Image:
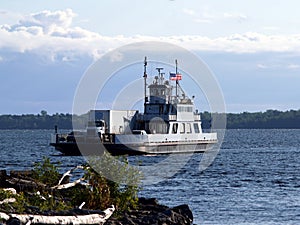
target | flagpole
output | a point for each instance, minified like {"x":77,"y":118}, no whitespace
{"x":176,"y":71}
{"x":145,"y":80}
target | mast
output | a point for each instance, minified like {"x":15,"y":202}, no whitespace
{"x":145,"y":80}
{"x":176,"y":71}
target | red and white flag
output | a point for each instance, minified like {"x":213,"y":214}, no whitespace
{"x":175,"y":76}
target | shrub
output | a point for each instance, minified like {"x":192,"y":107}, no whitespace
{"x":100,"y":192}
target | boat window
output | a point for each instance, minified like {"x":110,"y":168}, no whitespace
{"x":158,"y":127}
{"x":175,"y":127}
{"x":196,"y":128}
{"x":182,"y":128}
{"x":185,"y":109}
{"x":188,"y":128}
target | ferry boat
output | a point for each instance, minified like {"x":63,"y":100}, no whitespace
{"x":169,"y":124}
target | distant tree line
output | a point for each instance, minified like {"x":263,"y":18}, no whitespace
{"x":39,"y":121}
{"x":270,"y":119}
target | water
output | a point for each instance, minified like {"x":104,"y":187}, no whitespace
{"x":253,"y":180}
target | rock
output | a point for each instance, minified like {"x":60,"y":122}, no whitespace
{"x":13,"y":221}
{"x":3,"y":176}
{"x":184,"y":210}
{"x":149,"y":212}
{"x":21,"y":173}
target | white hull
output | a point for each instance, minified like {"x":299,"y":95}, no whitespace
{"x":136,"y":144}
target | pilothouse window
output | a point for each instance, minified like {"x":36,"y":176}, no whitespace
{"x":185,"y":109}
{"x":158,"y":127}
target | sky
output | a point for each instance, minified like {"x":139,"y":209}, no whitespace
{"x":251,"y":47}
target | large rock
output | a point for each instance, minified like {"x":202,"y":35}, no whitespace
{"x":149,"y":212}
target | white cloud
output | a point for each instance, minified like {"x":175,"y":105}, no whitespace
{"x":200,"y":17}
{"x":236,"y":16}
{"x":116,"y":57}
{"x":262,"y":66}
{"x":49,"y":21}
{"x":282,"y":65}
{"x":293,"y":66}
{"x":207,"y":16}
{"x":271,"y":28}
{"x":198,"y":20}
{"x":190,"y":12}
{"x":51,"y":33}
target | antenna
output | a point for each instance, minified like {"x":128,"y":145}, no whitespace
{"x":159,"y":69}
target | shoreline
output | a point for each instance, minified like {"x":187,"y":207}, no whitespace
{"x":147,"y":211}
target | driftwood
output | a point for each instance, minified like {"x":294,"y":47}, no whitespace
{"x":20,"y":181}
{"x":68,"y":173}
{"x":60,"y":186}
{"x":98,"y":218}
{"x":65,"y":186}
{"x":11,"y":190}
{"x":9,"y":200}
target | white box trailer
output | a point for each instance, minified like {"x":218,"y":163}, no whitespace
{"x":116,"y":121}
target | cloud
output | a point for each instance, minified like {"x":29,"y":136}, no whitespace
{"x":293,"y":66}
{"x":190,"y":12}
{"x":236,"y":16}
{"x":271,"y":28}
{"x":278,"y":66}
{"x":261,"y":66}
{"x":49,"y":21}
{"x":198,"y":20}
{"x":116,"y":57}
{"x":203,"y":17}
{"x":51,"y":34}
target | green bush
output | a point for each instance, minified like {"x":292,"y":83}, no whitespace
{"x":112,"y":182}
{"x":99,"y":193}
{"x":46,"y":172}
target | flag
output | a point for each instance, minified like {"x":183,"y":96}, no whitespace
{"x":174,"y":76}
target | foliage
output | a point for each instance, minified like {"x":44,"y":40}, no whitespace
{"x":270,"y":119}
{"x":18,"y":205}
{"x":41,"y":121}
{"x":100,"y":193}
{"x":46,"y":172}
{"x":113,"y":182}
{"x":48,"y":200}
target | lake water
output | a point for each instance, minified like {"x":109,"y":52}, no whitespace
{"x":253,"y":180}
